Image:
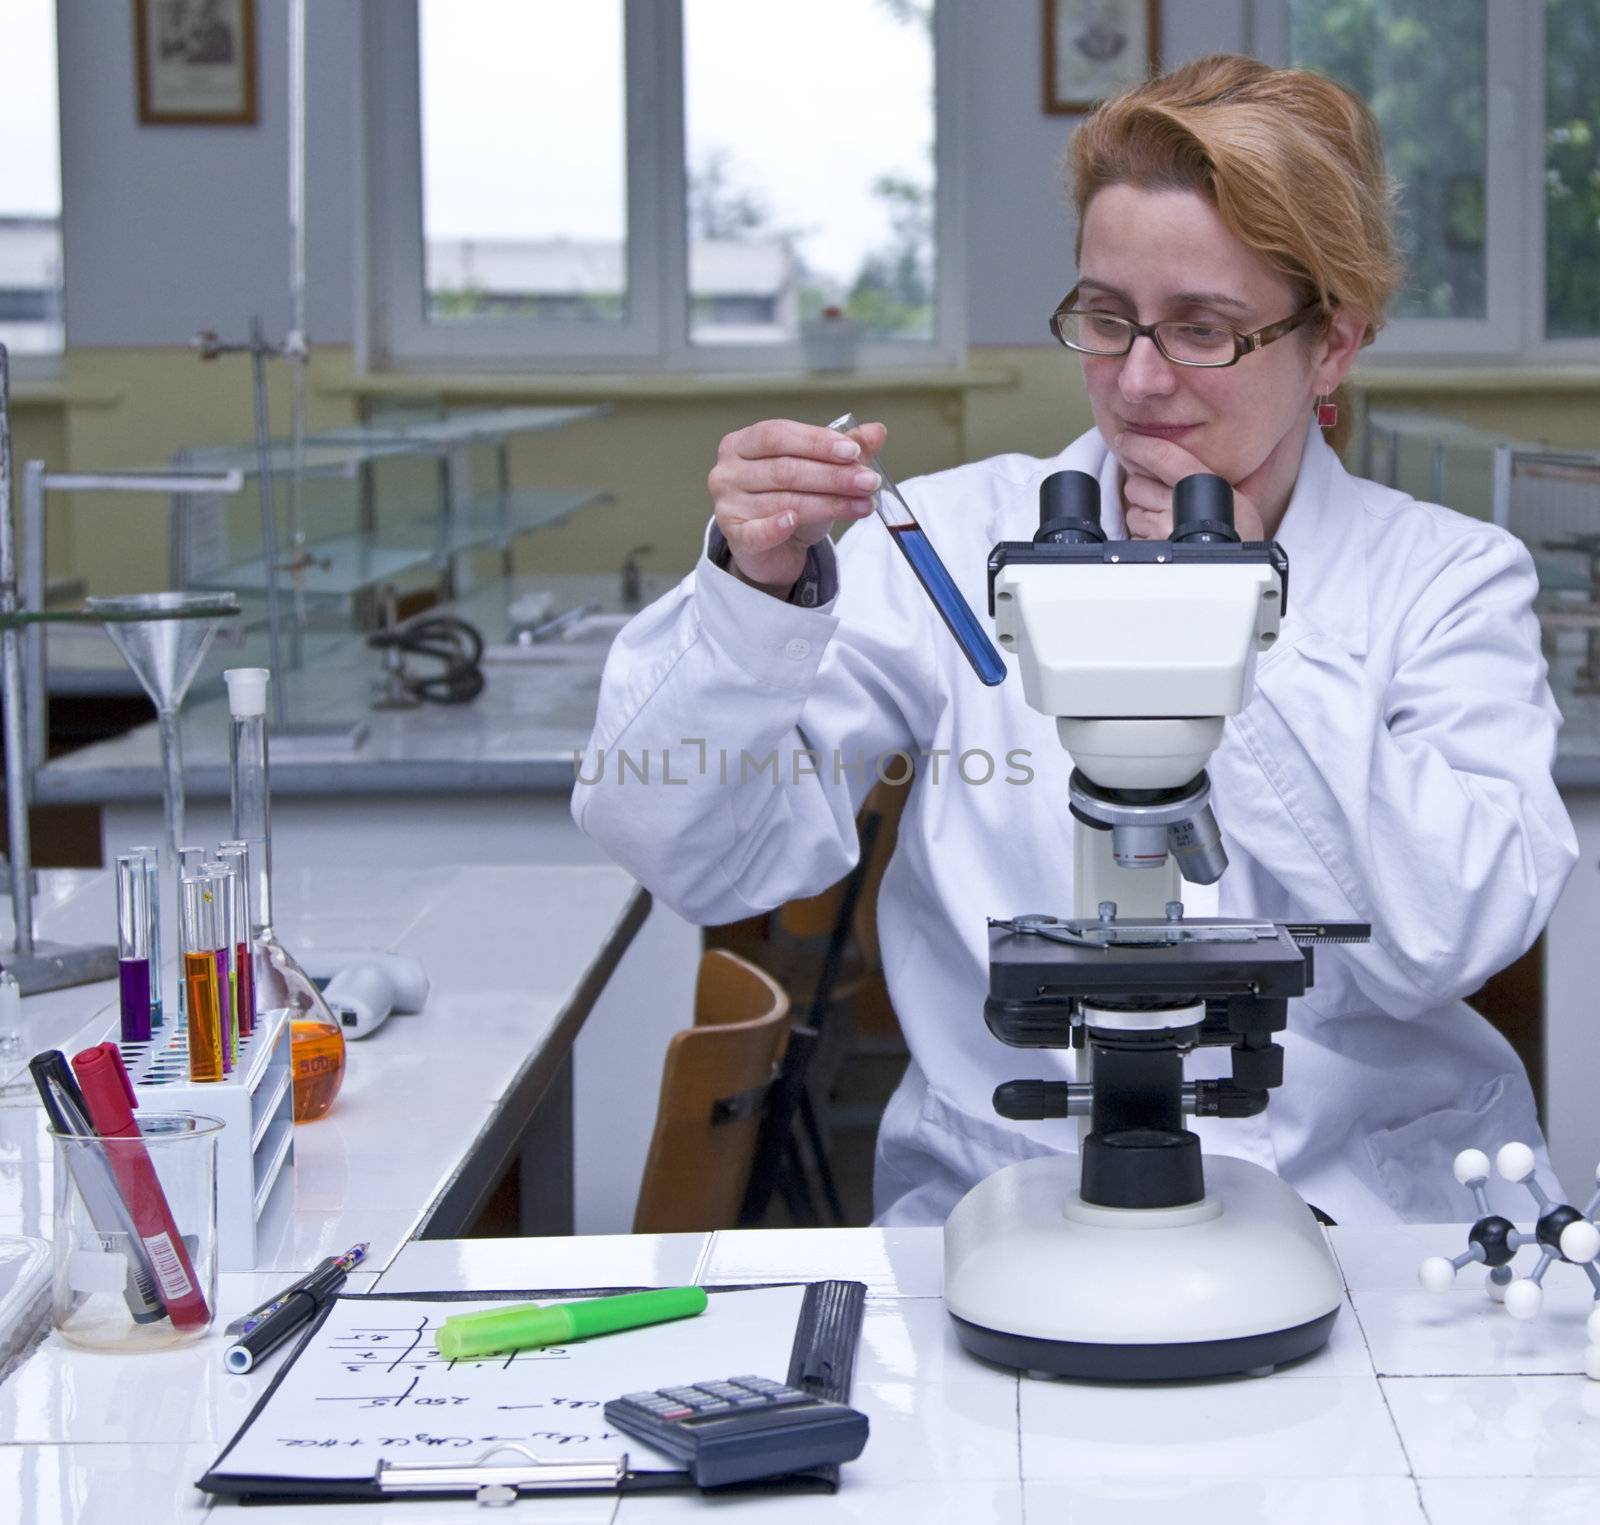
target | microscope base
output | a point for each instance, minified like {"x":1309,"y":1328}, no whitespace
{"x":1038,"y":1279}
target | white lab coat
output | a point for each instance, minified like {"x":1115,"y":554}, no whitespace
{"x":1392,"y":766}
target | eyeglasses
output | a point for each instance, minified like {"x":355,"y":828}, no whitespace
{"x":1200,"y":344}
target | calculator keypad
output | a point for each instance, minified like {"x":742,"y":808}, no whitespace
{"x":721,"y":1397}
{"x":738,"y":1428}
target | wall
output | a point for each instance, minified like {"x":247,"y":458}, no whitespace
{"x":171,"y":229}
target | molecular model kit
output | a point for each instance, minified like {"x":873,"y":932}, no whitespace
{"x":1562,"y":1233}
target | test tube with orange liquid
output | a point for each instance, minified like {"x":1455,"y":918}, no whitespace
{"x":202,"y":1000}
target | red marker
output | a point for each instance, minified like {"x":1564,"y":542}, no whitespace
{"x":108,"y":1094}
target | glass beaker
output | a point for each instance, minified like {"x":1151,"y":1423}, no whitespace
{"x":113,"y":1269}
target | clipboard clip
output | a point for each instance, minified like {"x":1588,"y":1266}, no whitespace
{"x":499,"y":1485}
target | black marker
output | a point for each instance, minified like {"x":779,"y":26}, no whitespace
{"x":69,"y":1116}
{"x":300,"y":1305}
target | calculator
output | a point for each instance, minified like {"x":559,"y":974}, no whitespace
{"x":741,"y":1428}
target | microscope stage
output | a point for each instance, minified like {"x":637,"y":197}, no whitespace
{"x":1154,"y":958}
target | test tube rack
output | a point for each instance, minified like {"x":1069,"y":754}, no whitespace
{"x":255,"y":1102}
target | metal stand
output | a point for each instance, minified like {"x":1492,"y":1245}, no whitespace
{"x":35,"y":965}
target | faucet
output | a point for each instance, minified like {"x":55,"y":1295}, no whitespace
{"x":632,"y":583}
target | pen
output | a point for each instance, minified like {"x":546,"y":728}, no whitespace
{"x":301,"y":1304}
{"x":348,"y":1261}
{"x":526,"y":1325}
{"x":109,"y":1099}
{"x":64,"y":1106}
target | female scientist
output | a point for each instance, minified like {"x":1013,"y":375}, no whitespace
{"x":1393,"y":766}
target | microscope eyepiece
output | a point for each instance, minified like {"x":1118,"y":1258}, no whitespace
{"x":1069,"y":510}
{"x":1202,"y":509}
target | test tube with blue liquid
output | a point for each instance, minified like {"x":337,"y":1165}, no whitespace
{"x":931,"y":572}
{"x":133,"y":948}
{"x":151,"y":858}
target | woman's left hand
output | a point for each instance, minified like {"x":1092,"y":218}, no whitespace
{"x":1151,"y":468}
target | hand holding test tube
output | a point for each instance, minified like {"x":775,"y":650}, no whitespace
{"x":931,"y":572}
{"x":779,"y":486}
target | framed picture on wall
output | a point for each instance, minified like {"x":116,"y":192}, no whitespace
{"x":1094,"y":48}
{"x":197,"y":61}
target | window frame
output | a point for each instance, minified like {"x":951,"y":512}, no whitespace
{"x":393,"y":332}
{"x":49,"y":365}
{"x":1513,"y":327}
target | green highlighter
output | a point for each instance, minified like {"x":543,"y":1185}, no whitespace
{"x":526,"y":1325}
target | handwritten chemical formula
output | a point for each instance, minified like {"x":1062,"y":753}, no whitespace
{"x":369,"y":1384}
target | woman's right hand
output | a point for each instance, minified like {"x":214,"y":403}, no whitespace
{"x":777,"y":488}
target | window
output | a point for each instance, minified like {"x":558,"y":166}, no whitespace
{"x":31,"y":322}
{"x":637,"y":183}
{"x":1572,"y":169}
{"x":1490,"y":115}
{"x":792,"y":208}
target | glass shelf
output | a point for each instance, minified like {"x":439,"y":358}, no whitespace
{"x":481,"y":426}
{"x":221,"y":607}
{"x":343,"y":565}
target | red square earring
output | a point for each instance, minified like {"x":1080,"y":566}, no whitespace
{"x":1327,"y":413}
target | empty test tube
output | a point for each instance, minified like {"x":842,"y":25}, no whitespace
{"x":930,"y":571}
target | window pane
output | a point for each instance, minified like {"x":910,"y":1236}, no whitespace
{"x":524,"y":191}
{"x":30,"y":187}
{"x":1421,"y":67}
{"x":810,"y":129}
{"x":1572,"y":169}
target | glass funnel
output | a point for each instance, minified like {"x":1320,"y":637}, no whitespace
{"x":163,"y":638}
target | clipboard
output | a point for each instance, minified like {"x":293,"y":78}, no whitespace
{"x":821,"y":1360}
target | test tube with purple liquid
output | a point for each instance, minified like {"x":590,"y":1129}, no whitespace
{"x":152,"y":877}
{"x":133,"y":948}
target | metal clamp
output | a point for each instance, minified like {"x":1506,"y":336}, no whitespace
{"x":499,"y":1485}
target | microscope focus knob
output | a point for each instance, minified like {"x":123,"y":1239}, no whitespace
{"x":1202,"y":509}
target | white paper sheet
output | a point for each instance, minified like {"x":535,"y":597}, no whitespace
{"x":371,"y":1385}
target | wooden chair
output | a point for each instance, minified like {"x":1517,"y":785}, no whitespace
{"x":715,"y":1085}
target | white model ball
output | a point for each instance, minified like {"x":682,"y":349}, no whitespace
{"x":1593,"y":1326}
{"x":1580,"y":1241}
{"x":1495,"y":1289}
{"x":1514,"y":1162}
{"x":1523,"y":1298}
{"x":1436,"y":1274}
{"x":1471,"y":1165}
{"x":1591,"y":1363}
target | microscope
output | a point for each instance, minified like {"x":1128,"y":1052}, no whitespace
{"x":1136,"y":1258}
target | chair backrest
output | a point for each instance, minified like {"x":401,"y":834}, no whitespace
{"x":714,"y":1088}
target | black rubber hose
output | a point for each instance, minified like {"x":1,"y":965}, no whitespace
{"x":446,"y":639}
